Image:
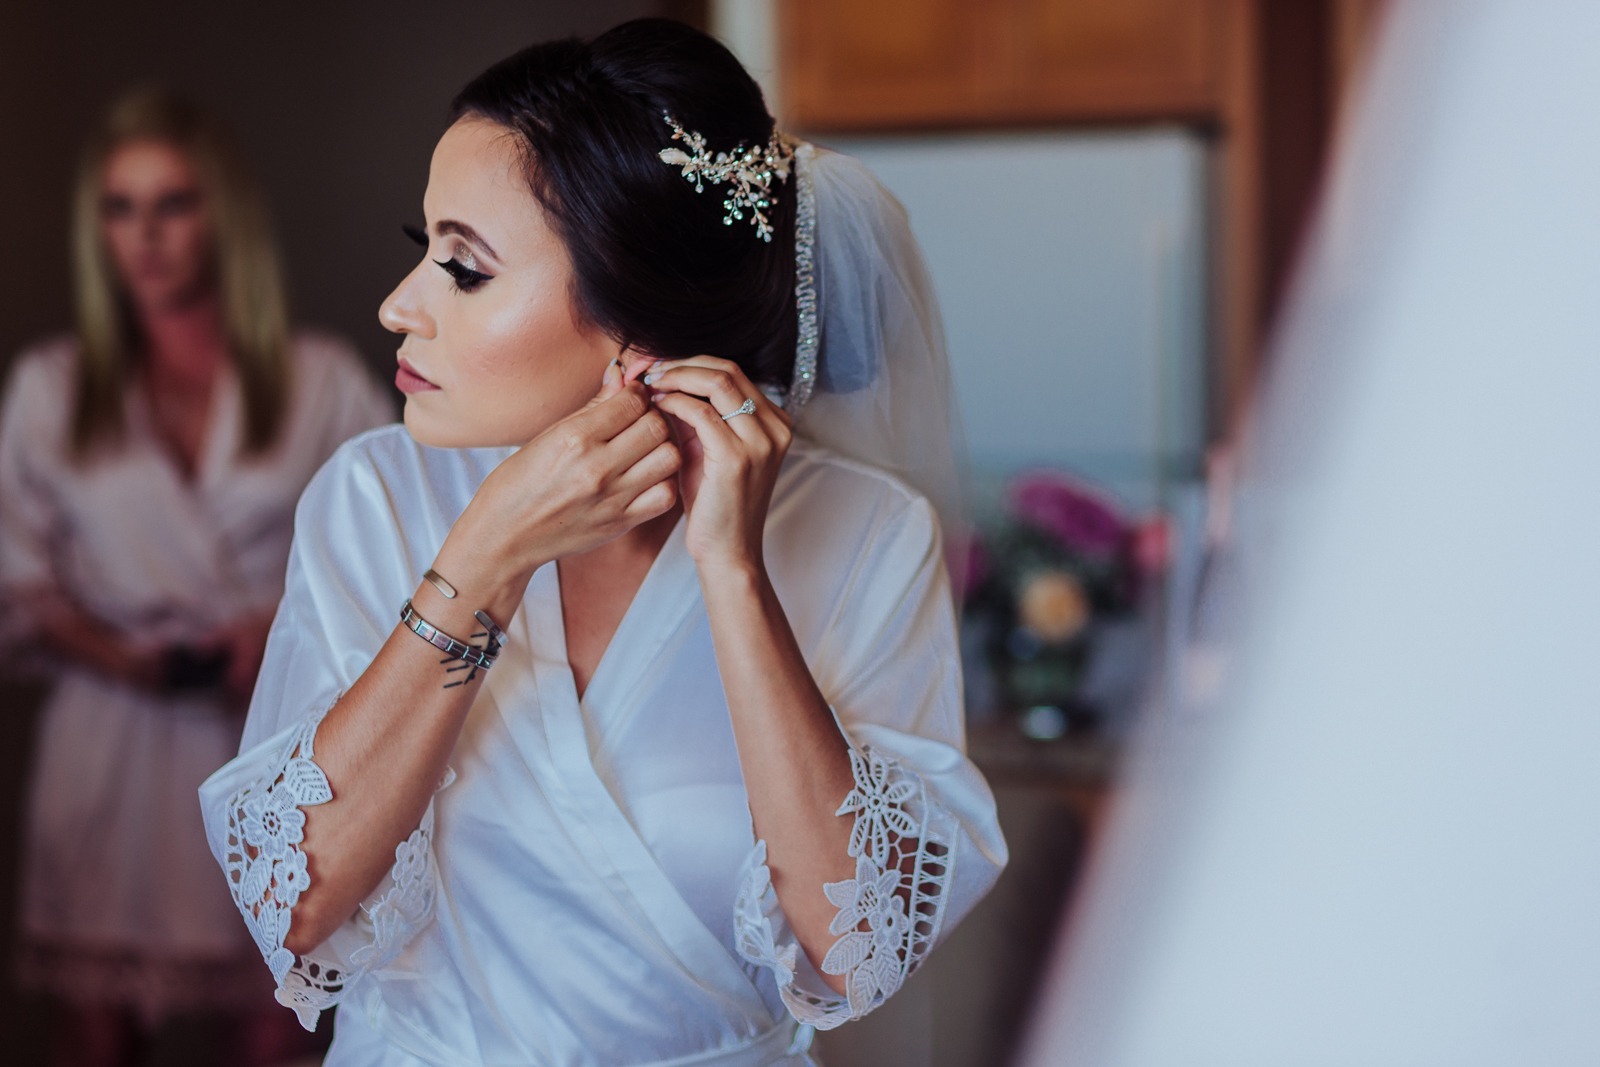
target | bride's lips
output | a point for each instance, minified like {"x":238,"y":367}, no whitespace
{"x":407,"y":380}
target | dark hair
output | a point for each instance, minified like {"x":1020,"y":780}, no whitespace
{"x":655,"y":267}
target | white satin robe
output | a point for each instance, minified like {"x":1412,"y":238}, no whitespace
{"x":586,"y":888}
{"x":115,"y":906}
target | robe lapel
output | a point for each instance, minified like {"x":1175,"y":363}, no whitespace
{"x":595,"y":822}
{"x":190,"y":560}
{"x":224,"y":434}
{"x":669,"y":590}
{"x":219,"y":460}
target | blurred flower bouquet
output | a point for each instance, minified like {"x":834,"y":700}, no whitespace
{"x":1041,"y":581}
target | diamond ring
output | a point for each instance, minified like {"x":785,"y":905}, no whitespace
{"x":747,"y":408}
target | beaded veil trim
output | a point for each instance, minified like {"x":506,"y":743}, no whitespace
{"x":805,"y":281}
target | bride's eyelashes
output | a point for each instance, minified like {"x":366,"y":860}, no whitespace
{"x":463,"y":277}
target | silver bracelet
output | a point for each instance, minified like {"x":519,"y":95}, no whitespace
{"x":433,"y":576}
{"x":480,"y":659}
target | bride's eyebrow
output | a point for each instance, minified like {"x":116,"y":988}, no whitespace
{"x":461,"y":229}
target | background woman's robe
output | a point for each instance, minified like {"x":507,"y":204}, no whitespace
{"x":116,"y":901}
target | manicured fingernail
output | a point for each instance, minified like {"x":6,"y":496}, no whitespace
{"x":656,"y":396}
{"x":650,"y":379}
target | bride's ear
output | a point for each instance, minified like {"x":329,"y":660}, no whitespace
{"x":635,"y":365}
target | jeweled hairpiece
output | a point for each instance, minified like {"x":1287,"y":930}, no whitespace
{"x":749,"y":171}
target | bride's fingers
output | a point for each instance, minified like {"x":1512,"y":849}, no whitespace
{"x":606,"y":417}
{"x":656,"y":499}
{"x":611,"y":383}
{"x":767,"y":409}
{"x":711,"y":362}
{"x":713,"y":431}
{"x":725,"y":388}
{"x":613,"y":380}
{"x":662,"y":462}
{"x":638,"y":438}
{"x":728,"y":391}
{"x":639,"y":369}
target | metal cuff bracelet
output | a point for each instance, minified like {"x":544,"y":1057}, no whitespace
{"x":480,"y":658}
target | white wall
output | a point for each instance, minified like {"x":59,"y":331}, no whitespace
{"x":750,"y":29}
{"x":1070,"y":267}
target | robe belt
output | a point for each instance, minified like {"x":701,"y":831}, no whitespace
{"x":786,"y":1038}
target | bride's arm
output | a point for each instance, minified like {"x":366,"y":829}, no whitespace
{"x":383,"y":747}
{"x":384,"y":744}
{"x":796,"y":763}
{"x":876,"y":735}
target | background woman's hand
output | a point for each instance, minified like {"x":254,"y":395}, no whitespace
{"x":592,"y":476}
{"x":729,"y":465}
{"x":87,"y":641}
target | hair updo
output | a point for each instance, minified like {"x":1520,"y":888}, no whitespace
{"x":654,"y":266}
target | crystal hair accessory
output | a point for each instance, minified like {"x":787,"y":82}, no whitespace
{"x":748,"y":170}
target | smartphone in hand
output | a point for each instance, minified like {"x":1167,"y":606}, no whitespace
{"x":187,"y":669}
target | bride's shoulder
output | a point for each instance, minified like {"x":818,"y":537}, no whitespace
{"x":386,"y":452}
{"x":393,"y":457}
{"x":821,"y":488}
{"x":839,"y":529}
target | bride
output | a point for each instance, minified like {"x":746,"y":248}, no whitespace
{"x":612,"y":714}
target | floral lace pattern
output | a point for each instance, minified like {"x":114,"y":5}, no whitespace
{"x":889,"y":913}
{"x":267,"y":874}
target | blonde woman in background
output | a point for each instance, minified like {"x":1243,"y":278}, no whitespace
{"x":150,"y":464}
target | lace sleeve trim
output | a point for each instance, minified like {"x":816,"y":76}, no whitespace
{"x":889,"y":913}
{"x":267,"y":874}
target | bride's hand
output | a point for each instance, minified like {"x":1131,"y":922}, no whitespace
{"x":592,"y":476}
{"x":729,"y":464}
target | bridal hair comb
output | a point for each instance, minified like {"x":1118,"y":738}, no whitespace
{"x":749,"y":171}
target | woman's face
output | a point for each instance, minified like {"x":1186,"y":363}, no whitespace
{"x":157,"y":226}
{"x":493,"y":352}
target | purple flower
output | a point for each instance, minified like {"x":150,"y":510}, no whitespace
{"x":1080,"y":519}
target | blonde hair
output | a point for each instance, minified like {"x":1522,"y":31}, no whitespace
{"x":254,"y":311}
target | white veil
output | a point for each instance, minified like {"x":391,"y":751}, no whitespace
{"x":882,"y":375}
